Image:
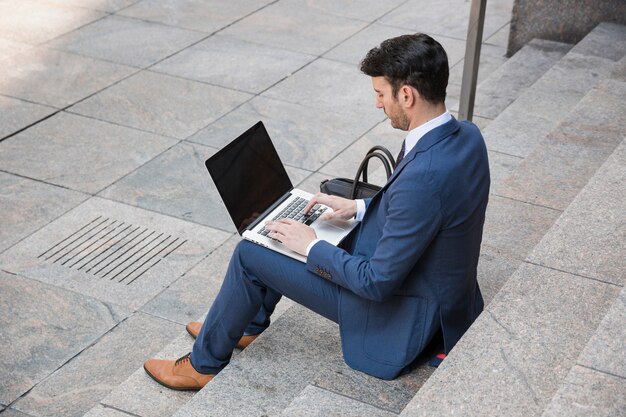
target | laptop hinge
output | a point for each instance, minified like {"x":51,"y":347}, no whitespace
{"x":267,"y":211}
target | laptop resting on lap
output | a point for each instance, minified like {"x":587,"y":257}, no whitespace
{"x":255,"y":187}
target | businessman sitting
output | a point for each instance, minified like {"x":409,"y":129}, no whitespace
{"x":408,"y":276}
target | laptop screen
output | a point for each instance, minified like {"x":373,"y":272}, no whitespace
{"x":249,"y":175}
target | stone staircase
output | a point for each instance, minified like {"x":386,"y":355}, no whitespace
{"x":551,"y":337}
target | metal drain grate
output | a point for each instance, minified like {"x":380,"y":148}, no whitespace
{"x":114,"y":250}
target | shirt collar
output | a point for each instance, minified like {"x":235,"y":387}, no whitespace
{"x":416,"y":134}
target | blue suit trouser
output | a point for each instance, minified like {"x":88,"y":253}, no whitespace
{"x":254,"y":283}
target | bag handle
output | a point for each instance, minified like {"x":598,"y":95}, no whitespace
{"x":392,"y":160}
{"x":363,"y":169}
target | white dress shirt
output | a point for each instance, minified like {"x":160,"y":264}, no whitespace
{"x":411,"y":140}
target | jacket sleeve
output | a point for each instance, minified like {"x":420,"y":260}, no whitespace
{"x":412,"y":219}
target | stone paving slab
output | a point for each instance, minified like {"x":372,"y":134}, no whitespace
{"x":518,"y":352}
{"x":348,"y":89}
{"x":42,"y":327}
{"x":515,"y":227}
{"x":17,"y":114}
{"x":563,"y":163}
{"x":111,"y":251}
{"x":500,"y":38}
{"x":367,"y":10}
{"x":177,"y":183}
{"x":127,"y":41}
{"x":141,"y":395}
{"x":501,"y":166}
{"x":9,"y":412}
{"x":304,"y":137}
{"x":109,"y":6}
{"x":353,"y":50}
{"x":27,"y":205}
{"x":589,"y":237}
{"x":78,"y":386}
{"x":235,"y":64}
{"x":9,"y":48}
{"x":35,"y":22}
{"x":57,"y":78}
{"x":605,"y":350}
{"x":202,"y":15}
{"x":269,"y":374}
{"x":191,"y":295}
{"x":316,"y":402}
{"x":178,"y":108}
{"x":588,"y":393}
{"x":295,"y":26}
{"x":102,"y":411}
{"x":99,"y":153}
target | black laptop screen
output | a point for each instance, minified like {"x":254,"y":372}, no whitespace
{"x":249,"y":175}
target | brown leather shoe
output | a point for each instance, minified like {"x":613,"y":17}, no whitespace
{"x":178,"y":374}
{"x":193,"y":328}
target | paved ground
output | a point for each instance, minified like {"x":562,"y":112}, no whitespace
{"x":112,"y":235}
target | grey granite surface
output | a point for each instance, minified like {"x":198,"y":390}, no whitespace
{"x":18,"y":114}
{"x":316,"y":402}
{"x":367,"y":10}
{"x":607,"y":40}
{"x":177,"y":108}
{"x":343,"y":92}
{"x":494,"y":270}
{"x":563,"y":163}
{"x":98,"y":153}
{"x":515,"y":227}
{"x":295,"y":26}
{"x":539,"y":321}
{"x":9,"y":48}
{"x":589,"y":237}
{"x":235,"y":64}
{"x":501,"y":165}
{"x":588,"y":393}
{"x":491,"y":57}
{"x":129,"y":269}
{"x":75,"y":388}
{"x":34,"y":22}
{"x":141,"y":395}
{"x":201,"y":15}
{"x":103,"y":411}
{"x":605,"y":350}
{"x":507,"y":82}
{"x":191,"y":295}
{"x":110,"y":6}
{"x":42,"y":327}
{"x":57,"y":78}
{"x":127,"y":41}
{"x":27,"y":205}
{"x":264,"y":380}
{"x":304,"y":137}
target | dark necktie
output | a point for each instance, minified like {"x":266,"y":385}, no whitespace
{"x":401,"y":154}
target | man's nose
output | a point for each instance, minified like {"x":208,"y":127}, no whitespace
{"x":379,"y":104}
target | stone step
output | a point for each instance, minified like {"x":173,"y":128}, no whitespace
{"x":515,"y":133}
{"x":528,"y":194}
{"x":512,"y":78}
{"x":519,"y":351}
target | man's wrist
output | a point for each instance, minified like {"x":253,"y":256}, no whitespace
{"x":308,"y":248}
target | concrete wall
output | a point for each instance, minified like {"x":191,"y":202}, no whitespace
{"x":560,"y":20}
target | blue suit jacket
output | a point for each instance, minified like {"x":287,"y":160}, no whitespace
{"x":411,"y":270}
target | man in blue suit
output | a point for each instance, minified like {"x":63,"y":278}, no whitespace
{"x":407,"y":278}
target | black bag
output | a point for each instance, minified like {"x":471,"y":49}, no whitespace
{"x":352,"y":189}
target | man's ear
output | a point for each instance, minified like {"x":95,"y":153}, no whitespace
{"x":406,"y":95}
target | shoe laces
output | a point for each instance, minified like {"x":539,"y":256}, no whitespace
{"x":182,"y":359}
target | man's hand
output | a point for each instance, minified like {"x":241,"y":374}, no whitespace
{"x":343,"y":208}
{"x":294,"y":235}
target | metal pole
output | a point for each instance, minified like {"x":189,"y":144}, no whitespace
{"x":472,"y":59}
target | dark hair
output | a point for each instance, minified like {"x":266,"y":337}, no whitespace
{"x":416,"y":60}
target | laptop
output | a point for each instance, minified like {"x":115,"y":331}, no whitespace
{"x":255,"y":187}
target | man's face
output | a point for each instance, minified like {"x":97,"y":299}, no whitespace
{"x":389,"y":103}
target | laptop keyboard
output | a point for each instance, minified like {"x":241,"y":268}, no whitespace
{"x":295,"y":211}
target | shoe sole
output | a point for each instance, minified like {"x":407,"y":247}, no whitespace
{"x":169,"y":386}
